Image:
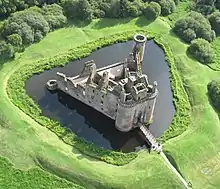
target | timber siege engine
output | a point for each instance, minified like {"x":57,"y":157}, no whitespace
{"x":119,"y":91}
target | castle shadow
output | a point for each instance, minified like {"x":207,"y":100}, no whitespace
{"x":90,"y":124}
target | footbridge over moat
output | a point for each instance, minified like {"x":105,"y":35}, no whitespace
{"x":158,"y":148}
{"x":151,"y":139}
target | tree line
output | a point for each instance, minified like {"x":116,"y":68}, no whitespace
{"x":201,"y":23}
{"x":10,"y":6}
{"x":88,"y":9}
{"x":28,"y":21}
{"x":26,"y":27}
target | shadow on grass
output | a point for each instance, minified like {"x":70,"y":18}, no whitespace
{"x":70,"y":174}
{"x":212,"y":104}
{"x":77,"y":23}
{"x":110,"y":22}
{"x":172,"y":161}
{"x":142,"y":21}
{"x":173,"y":34}
{"x":4,"y":61}
{"x":189,"y":55}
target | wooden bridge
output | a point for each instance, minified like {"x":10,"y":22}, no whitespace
{"x":158,"y":148}
{"x":151,"y":139}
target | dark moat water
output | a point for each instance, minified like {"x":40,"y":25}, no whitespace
{"x":92,"y":125}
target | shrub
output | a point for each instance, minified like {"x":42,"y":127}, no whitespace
{"x":214,"y":94}
{"x":204,"y":6}
{"x":214,"y":20}
{"x":112,"y":9}
{"x":131,"y":8}
{"x":54,"y":16}
{"x":6,"y":50}
{"x":167,"y":6}
{"x":176,"y":2}
{"x":194,"y":25}
{"x":26,"y":24}
{"x":78,"y":9}
{"x":10,"y":6}
{"x":15,"y":40}
{"x":201,"y":50}
{"x":152,"y":11}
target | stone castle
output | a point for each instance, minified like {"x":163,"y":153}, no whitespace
{"x":119,"y":91}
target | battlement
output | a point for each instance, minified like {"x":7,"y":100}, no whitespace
{"x":120,"y":90}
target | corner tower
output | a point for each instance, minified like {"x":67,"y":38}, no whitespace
{"x":138,"y":51}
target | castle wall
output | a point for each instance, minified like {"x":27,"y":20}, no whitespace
{"x":111,"y":104}
{"x":97,"y":99}
{"x":124,"y":118}
{"x":128,"y":116}
{"x":151,"y":105}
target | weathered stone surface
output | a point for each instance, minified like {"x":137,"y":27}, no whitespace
{"x":120,"y":91}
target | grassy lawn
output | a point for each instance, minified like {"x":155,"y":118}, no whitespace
{"x":27,"y":144}
{"x":216,"y":48}
{"x":34,"y":178}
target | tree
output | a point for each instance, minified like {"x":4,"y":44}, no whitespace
{"x":194,"y":25}
{"x":10,"y":6}
{"x":205,"y":6}
{"x":15,"y":40}
{"x":84,"y":10}
{"x":214,"y":20}
{"x":217,"y":4}
{"x":112,"y":8}
{"x":167,"y":6}
{"x":6,"y":50}
{"x":70,"y":8}
{"x":131,"y":8}
{"x":176,"y":2}
{"x":214,"y":93}
{"x":152,"y":11}
{"x":78,"y":9}
{"x":26,"y":24}
{"x":189,"y":35}
{"x":201,"y":50}
{"x":54,"y":16}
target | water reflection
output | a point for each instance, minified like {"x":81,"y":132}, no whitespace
{"x":92,"y":125}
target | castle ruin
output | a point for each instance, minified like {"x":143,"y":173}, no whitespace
{"x":120,"y":91}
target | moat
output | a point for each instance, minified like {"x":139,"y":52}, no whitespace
{"x":92,"y":125}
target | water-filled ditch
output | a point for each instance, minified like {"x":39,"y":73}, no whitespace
{"x":92,"y":125}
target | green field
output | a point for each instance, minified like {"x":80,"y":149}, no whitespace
{"x":28,"y":145}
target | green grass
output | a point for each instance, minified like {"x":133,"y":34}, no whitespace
{"x":34,"y":178}
{"x":27,"y":141}
{"x":180,"y":11}
{"x":16,"y":91}
{"x":216,"y":47}
{"x":27,"y":144}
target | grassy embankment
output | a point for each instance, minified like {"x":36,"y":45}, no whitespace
{"x":19,"y":97}
{"x":28,"y":144}
{"x":216,"y":47}
{"x":194,"y":151}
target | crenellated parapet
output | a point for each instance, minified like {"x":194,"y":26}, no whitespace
{"x":120,"y":91}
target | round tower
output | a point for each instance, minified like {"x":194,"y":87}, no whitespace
{"x":139,"y":46}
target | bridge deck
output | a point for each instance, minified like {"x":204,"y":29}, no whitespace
{"x":151,"y":139}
